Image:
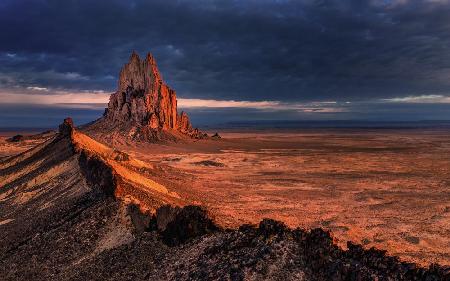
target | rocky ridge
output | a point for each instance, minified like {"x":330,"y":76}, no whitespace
{"x":144,"y":107}
{"x":72,"y":209}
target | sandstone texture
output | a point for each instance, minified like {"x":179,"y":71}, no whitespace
{"x":144,"y":107}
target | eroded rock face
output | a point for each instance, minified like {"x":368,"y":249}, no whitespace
{"x":144,"y":101}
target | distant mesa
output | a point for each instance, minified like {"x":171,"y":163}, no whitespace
{"x":21,"y":138}
{"x":16,"y":138}
{"x":144,"y":107}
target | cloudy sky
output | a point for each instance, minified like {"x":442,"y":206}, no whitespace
{"x":229,"y":60}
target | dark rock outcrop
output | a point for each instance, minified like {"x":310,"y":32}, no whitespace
{"x":272,"y":251}
{"x":209,"y":163}
{"x":66,"y":128}
{"x":178,"y":225}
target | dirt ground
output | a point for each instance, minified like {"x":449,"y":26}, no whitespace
{"x":384,"y":188}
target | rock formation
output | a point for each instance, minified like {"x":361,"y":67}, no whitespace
{"x":66,"y":128}
{"x":144,"y":107}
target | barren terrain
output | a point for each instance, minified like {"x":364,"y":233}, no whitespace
{"x":384,"y":188}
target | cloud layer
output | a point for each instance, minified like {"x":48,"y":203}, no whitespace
{"x":233,"y":53}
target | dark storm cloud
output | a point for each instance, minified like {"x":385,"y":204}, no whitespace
{"x":244,"y":50}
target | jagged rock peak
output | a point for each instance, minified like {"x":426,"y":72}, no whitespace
{"x":142,"y":97}
{"x":140,"y":74}
{"x":145,"y":102}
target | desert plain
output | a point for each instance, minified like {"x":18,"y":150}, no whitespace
{"x":383,"y":188}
